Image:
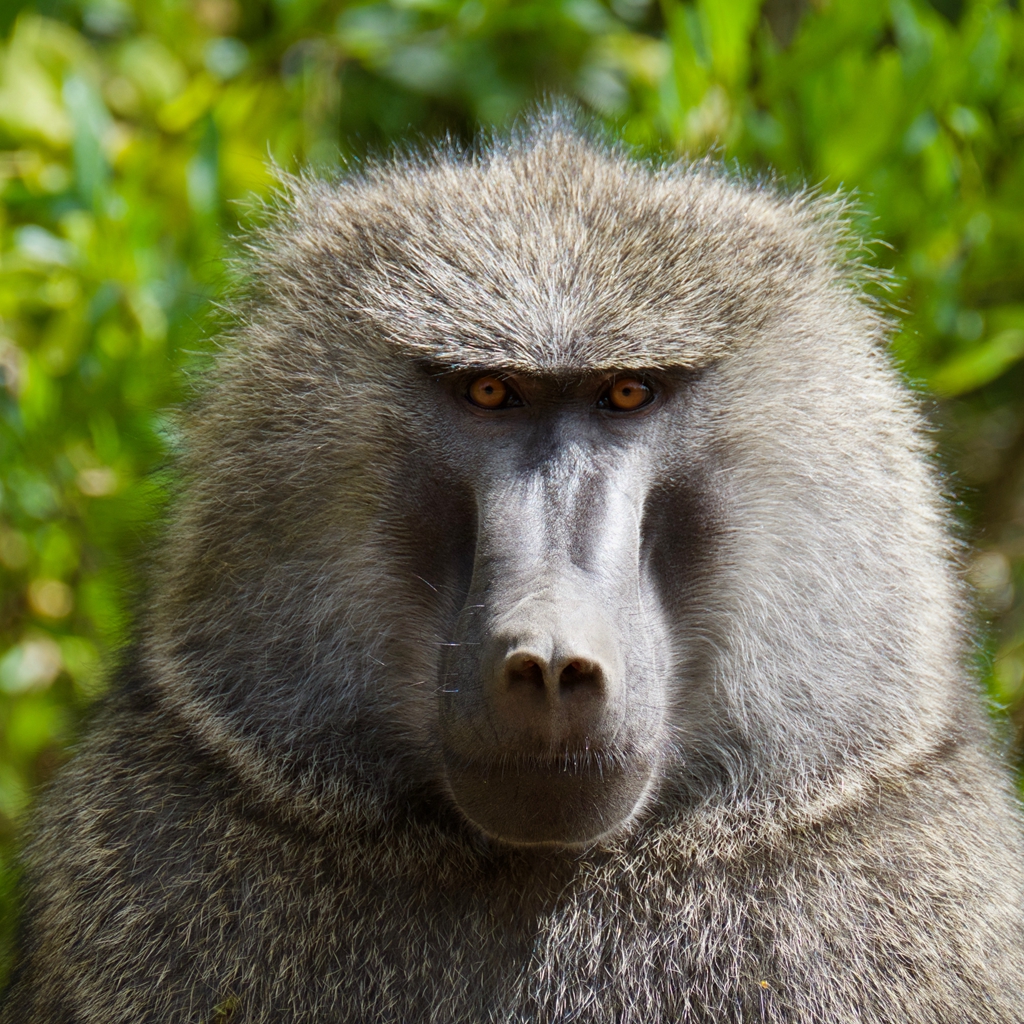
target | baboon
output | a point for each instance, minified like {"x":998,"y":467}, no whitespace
{"x":560,"y":622}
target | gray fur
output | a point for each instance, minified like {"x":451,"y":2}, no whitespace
{"x":261,"y":826}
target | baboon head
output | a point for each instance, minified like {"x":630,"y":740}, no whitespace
{"x":555,"y":488}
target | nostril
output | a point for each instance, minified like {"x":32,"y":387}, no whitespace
{"x":579,"y":674}
{"x":525,"y":672}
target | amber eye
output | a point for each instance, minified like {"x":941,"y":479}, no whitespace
{"x":627,"y":394}
{"x":488,"y":392}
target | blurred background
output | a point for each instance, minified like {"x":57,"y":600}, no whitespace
{"x":135,"y":141}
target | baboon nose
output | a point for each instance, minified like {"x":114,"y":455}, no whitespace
{"x":556,"y":679}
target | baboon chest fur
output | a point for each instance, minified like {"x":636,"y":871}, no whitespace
{"x":559,"y":622}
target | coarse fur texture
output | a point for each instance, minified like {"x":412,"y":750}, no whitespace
{"x":792,"y":810}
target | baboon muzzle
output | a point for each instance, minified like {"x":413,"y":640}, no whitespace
{"x":547,"y":720}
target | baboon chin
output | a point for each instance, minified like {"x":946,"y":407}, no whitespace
{"x":558,"y":806}
{"x":558,"y":622}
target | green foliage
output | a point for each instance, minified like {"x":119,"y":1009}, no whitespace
{"x":130,"y":131}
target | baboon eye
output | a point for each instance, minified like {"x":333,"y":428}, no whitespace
{"x":490,"y":393}
{"x":626,"y":394}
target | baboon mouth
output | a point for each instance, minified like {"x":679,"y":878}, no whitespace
{"x":579,"y":761}
{"x":563,"y":801}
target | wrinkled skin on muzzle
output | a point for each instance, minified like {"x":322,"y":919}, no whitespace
{"x":552,"y":685}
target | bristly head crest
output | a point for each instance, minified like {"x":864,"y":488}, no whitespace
{"x":547,"y":250}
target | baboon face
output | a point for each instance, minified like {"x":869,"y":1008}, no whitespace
{"x":555,"y":487}
{"x":562,"y":499}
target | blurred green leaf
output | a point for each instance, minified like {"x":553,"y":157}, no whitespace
{"x":979,"y":365}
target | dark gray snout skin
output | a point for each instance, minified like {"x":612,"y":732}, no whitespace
{"x":552,"y":687}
